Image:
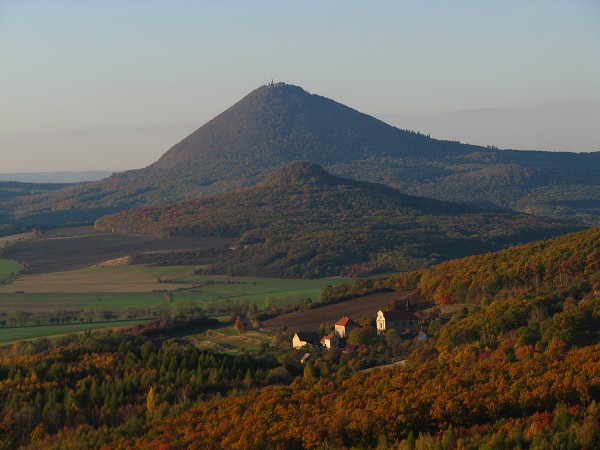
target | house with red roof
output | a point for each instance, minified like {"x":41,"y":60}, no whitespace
{"x":344,"y":326}
{"x":401,"y":321}
{"x":331,"y":340}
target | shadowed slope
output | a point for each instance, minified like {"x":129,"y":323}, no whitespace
{"x":303,"y":221}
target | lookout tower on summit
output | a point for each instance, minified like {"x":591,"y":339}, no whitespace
{"x":270,"y":83}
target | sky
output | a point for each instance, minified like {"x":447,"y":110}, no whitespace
{"x":106,"y":84}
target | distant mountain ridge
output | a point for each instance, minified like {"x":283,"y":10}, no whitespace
{"x":275,"y":125}
{"x":56,"y":177}
{"x":302,"y":221}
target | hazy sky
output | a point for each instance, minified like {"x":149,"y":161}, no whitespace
{"x":114,"y":84}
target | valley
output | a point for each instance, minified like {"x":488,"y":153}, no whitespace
{"x":48,"y":304}
{"x":210,"y":287}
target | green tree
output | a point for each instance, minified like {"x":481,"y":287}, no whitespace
{"x":363,"y":335}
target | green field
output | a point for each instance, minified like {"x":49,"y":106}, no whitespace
{"x":7,"y":268}
{"x":140,"y":279}
{"x":118,"y":287}
{"x":227,"y":340}
{"x":115,"y":288}
{"x":18,"y":334}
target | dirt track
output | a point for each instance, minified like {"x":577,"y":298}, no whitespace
{"x":355,"y":309}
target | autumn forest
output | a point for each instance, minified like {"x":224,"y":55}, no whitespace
{"x":517,"y":366}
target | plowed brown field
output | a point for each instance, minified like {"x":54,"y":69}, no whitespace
{"x":355,"y":309}
{"x":85,"y":247}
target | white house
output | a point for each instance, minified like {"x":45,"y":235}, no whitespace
{"x":304,"y":338}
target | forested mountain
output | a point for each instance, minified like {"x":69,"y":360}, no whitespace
{"x":305,"y":222}
{"x":275,"y":125}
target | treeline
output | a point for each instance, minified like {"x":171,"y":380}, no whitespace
{"x":303,"y":222}
{"x":175,"y":310}
{"x":170,"y":310}
{"x":357,"y":288}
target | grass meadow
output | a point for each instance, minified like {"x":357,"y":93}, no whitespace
{"x":7,"y":268}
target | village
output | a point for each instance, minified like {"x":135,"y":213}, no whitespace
{"x":345,"y":334}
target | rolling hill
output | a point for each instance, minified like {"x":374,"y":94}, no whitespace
{"x":275,"y":125}
{"x":302,"y":221}
{"x":555,"y":264}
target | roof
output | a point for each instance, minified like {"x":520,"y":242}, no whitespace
{"x":399,"y":315}
{"x":349,"y":348}
{"x":346,"y":321}
{"x":308,"y":336}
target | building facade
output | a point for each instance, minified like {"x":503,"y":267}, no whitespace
{"x":401,"y":321}
{"x":344,"y":326}
{"x":304,"y":338}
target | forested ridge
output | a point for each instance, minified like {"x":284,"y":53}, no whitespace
{"x":531,"y":269}
{"x":305,"y":222}
{"x":275,"y":125}
{"x":517,"y":367}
